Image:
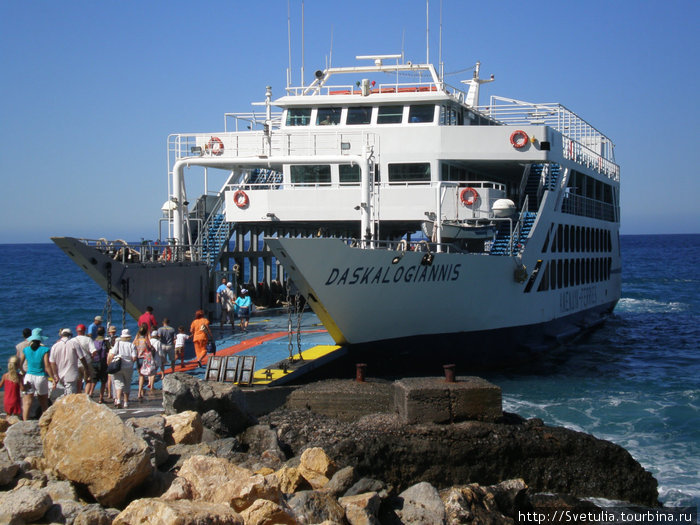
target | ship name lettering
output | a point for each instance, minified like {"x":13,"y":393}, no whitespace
{"x":571,"y":300}
{"x":388,"y":274}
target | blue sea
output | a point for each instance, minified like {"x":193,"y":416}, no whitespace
{"x":635,"y":381}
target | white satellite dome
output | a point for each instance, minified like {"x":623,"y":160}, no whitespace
{"x":503,"y":208}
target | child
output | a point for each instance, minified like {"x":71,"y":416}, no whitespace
{"x":11,"y":381}
{"x":180,"y":339}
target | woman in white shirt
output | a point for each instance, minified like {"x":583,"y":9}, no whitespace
{"x":125,"y":350}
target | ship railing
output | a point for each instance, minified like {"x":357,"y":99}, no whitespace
{"x":146,"y":251}
{"x":583,"y":142}
{"x":384,"y":87}
{"x":277,"y":143}
{"x":587,"y":207}
{"x":403,"y":245}
{"x":250,"y":121}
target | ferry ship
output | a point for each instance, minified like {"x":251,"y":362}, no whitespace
{"x":398,"y":207}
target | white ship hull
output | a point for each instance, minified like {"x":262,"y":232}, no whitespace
{"x":363,"y":298}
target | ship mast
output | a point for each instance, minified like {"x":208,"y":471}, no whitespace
{"x":474,"y":84}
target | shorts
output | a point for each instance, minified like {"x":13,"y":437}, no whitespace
{"x":38,"y":385}
{"x":244,"y":312}
{"x":70,"y":387}
{"x":179,"y":351}
{"x":167,"y":351}
{"x":99,"y":372}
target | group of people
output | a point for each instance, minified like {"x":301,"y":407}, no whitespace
{"x":93,"y":355}
{"x":233,"y":305}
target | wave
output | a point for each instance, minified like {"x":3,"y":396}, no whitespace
{"x":629,"y":304}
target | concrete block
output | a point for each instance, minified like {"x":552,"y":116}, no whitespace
{"x":433,"y":400}
{"x":344,"y":399}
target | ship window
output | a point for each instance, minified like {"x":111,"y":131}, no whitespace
{"x":448,"y":115}
{"x":298,"y":116}
{"x":389,"y":114}
{"x":544,"y":284}
{"x":409,"y":172}
{"x":349,"y":173}
{"x":560,"y":238}
{"x":359,"y":115}
{"x":449,"y":172}
{"x":317,"y":174}
{"x":553,"y":275}
{"x":328,"y":116}
{"x":578,"y":272}
{"x":560,"y":274}
{"x":421,"y":113}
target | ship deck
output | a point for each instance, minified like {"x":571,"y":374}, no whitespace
{"x":268,"y":341}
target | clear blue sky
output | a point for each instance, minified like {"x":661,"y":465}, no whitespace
{"x":90,"y":90}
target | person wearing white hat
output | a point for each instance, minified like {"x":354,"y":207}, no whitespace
{"x":243,"y":303}
{"x":228,"y":312}
{"x":125,"y":351}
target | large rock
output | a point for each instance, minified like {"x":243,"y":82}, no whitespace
{"x":152,"y":431}
{"x":95,"y":515}
{"x":265,"y":512}
{"x":184,"y":427}
{"x":313,"y":506}
{"x":23,"y":439}
{"x":494,"y":504}
{"x":548,"y":459}
{"x":361,"y":509}
{"x":87,"y":443}
{"x":421,"y":504}
{"x":8,"y":469}
{"x":180,"y":512}
{"x":24,"y":505}
{"x":183,"y":392}
{"x":290,"y":480}
{"x":220,"y":481}
{"x":316,"y":467}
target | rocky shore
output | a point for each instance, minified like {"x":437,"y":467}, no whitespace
{"x":219,"y":455}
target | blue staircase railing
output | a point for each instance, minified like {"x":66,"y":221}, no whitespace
{"x":216,"y":236}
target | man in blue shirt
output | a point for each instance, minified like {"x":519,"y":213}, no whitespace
{"x":220,"y":293}
{"x":92,"y":329}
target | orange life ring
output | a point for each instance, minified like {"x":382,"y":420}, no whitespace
{"x":519,"y":138}
{"x":215,"y":146}
{"x":240,"y":199}
{"x":468,"y":196}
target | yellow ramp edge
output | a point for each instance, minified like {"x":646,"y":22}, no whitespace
{"x":265,"y":376}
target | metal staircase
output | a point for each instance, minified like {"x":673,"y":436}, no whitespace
{"x":541,"y":177}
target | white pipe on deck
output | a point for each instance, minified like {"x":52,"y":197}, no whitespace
{"x":232,"y":162}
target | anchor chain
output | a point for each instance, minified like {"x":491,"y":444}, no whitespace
{"x":124,"y":287}
{"x":108,"y":306}
{"x":289,"y":325}
{"x":300,"y":311}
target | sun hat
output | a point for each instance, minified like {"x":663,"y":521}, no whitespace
{"x":244,"y":290}
{"x":112,"y":328}
{"x":229,"y":285}
{"x":154,"y":333}
{"x":37,"y":336}
{"x":66,"y":331}
{"x":126,"y":333}
{"x":98,"y":318}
